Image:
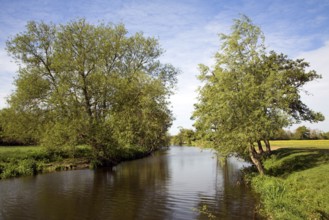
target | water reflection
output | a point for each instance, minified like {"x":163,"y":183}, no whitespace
{"x":168,"y":185}
{"x":231,"y":198}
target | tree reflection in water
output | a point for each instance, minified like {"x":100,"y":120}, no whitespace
{"x":170,"y":184}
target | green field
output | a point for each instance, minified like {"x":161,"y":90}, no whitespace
{"x":296,"y":185}
{"x":324,"y":144}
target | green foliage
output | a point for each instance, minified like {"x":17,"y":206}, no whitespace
{"x":205,"y":211}
{"x":184,"y":137}
{"x":88,"y":84}
{"x":60,"y":134}
{"x":22,"y":133}
{"x":15,"y":162}
{"x":250,"y":94}
{"x":302,"y":133}
{"x":282,"y":134}
{"x":25,"y":161}
{"x":325,"y":135}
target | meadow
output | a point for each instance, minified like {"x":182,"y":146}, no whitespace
{"x":310,"y":144}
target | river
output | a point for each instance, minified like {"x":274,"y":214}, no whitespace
{"x":171,"y":184}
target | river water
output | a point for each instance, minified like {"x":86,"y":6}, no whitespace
{"x":171,"y":184}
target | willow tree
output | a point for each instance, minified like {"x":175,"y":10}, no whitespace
{"x":250,"y":94}
{"x":91,"y":84}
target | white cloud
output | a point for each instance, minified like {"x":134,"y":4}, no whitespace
{"x":319,"y":89}
{"x":186,"y":50}
{"x":6,"y":63}
{"x":7,"y":73}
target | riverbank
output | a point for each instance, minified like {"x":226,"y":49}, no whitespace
{"x":296,"y":185}
{"x":32,"y":160}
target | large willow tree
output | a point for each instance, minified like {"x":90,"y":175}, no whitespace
{"x":250,"y":94}
{"x":80,"y":83}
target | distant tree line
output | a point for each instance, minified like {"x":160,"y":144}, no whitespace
{"x":301,"y":133}
{"x":185,"y":137}
{"x":188,"y":137}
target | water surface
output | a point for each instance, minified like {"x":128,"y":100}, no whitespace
{"x":171,"y":184}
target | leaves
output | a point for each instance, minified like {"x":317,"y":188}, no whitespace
{"x":93,"y":84}
{"x":250,"y":94}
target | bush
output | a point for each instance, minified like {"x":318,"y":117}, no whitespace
{"x":15,"y":168}
{"x":26,"y":161}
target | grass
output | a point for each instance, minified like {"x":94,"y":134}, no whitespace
{"x":31,"y":160}
{"x":5,"y":149}
{"x":309,"y":144}
{"x":296,"y":185}
{"x":23,"y":161}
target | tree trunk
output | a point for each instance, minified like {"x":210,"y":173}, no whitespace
{"x":255,"y":159}
{"x":84,"y":88}
{"x":268,"y":146}
{"x":260,"y":147}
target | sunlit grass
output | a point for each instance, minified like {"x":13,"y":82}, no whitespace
{"x":296,"y":185}
{"x":11,"y":149}
{"x":324,"y":144}
{"x":4,"y":149}
{"x":301,"y":195}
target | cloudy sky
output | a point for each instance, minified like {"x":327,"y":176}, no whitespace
{"x":188,"y":31}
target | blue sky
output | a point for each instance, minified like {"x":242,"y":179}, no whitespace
{"x":188,"y":32}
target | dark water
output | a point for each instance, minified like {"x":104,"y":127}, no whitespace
{"x":172,"y":184}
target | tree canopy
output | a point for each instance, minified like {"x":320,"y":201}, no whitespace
{"x":250,"y":93}
{"x":80,"y":83}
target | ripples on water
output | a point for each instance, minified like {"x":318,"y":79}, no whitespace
{"x":171,"y":184}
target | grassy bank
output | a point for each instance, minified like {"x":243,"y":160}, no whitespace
{"x":23,"y":161}
{"x":296,"y":186}
{"x":31,"y":160}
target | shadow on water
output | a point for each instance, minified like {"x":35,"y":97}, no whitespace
{"x":296,"y":159}
{"x":126,"y":192}
{"x":137,"y":189}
